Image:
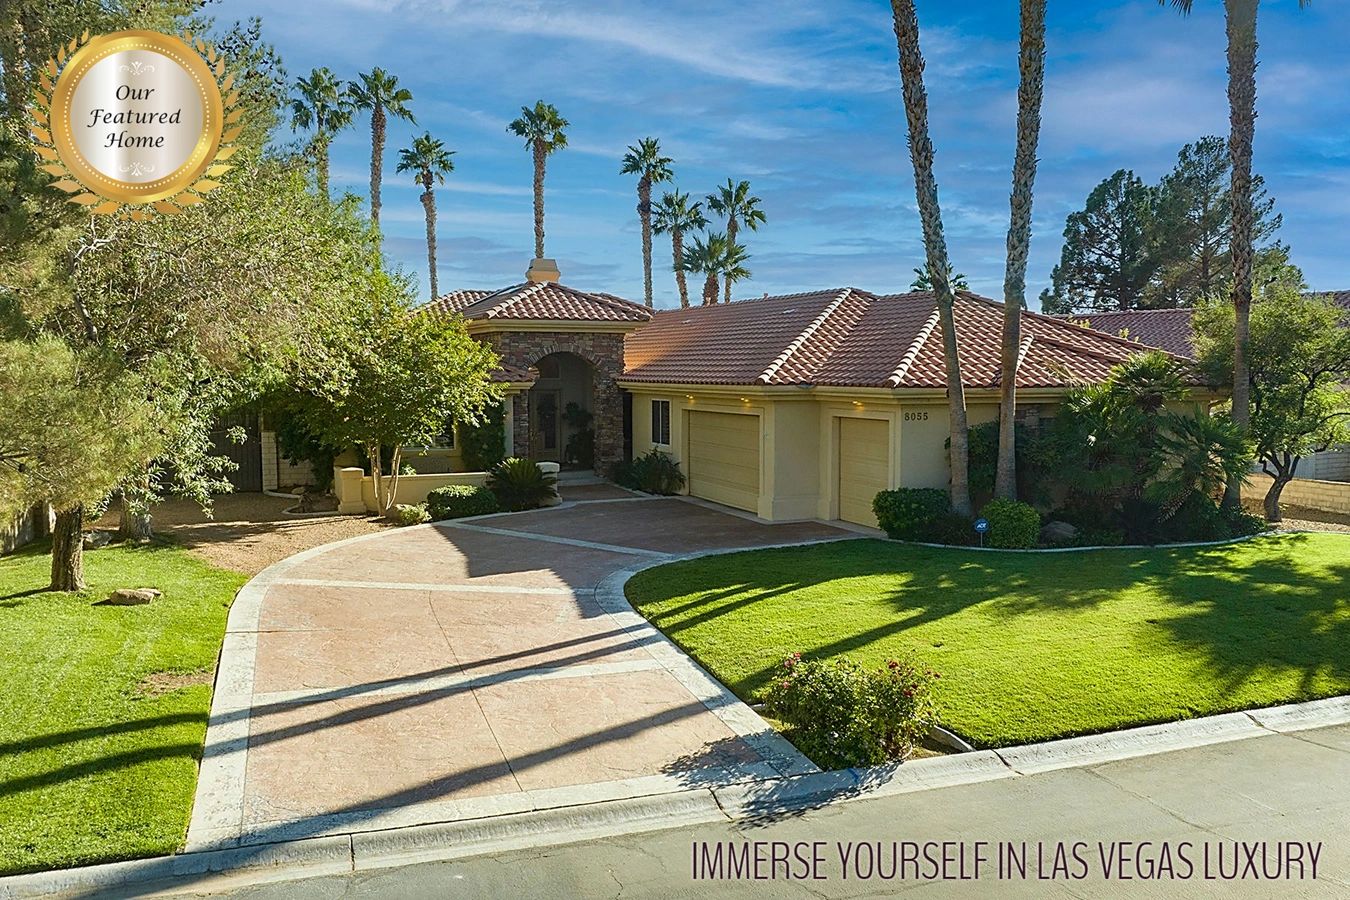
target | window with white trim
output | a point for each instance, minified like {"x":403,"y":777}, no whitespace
{"x":661,"y":422}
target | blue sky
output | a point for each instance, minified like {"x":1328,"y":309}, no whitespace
{"x":802,"y":98}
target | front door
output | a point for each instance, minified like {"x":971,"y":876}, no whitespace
{"x":546,"y":427}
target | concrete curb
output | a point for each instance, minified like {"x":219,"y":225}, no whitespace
{"x":345,"y":853}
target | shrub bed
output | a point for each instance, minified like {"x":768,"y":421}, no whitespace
{"x":909,"y":514}
{"x":456,"y":501}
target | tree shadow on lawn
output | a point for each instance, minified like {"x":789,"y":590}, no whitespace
{"x":1245,"y":608}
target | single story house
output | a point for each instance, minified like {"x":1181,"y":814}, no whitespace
{"x":799,"y":406}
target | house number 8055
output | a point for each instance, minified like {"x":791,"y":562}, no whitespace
{"x":916,"y":417}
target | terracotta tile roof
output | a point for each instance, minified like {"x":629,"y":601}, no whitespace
{"x":506,"y":373}
{"x":455,"y":301}
{"x":1166,"y":329}
{"x":852,"y":338}
{"x":543,"y":300}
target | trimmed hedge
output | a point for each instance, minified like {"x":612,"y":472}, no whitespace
{"x":909,"y":514}
{"x":459,"y":500}
{"x":1013,"y":525}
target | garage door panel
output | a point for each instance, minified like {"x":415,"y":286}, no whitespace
{"x":864,"y":467}
{"x":724,"y":458}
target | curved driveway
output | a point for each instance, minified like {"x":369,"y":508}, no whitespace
{"x":469,"y":669}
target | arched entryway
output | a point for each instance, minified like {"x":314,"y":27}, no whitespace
{"x":562,"y":411}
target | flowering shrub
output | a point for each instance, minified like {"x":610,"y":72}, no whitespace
{"x":841,"y":714}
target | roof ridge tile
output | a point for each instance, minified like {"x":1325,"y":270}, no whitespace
{"x":912,"y":352}
{"x":767,"y":375}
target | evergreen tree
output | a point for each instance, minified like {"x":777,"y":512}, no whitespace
{"x":1193,"y":225}
{"x":1106,"y":262}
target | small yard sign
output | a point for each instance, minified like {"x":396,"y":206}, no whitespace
{"x":981,"y":526}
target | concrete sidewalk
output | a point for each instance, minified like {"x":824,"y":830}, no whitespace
{"x":471,"y":669}
{"x":1289,"y":787}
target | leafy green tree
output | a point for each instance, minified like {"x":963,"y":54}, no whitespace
{"x":429,"y":162}
{"x":922,"y":281}
{"x":676,"y":216}
{"x":715,"y":257}
{"x":1300,"y":364}
{"x":1106,"y":262}
{"x":906,"y":21}
{"x":72,"y":426}
{"x":379,"y":93}
{"x":646,"y":162}
{"x":545,"y":133}
{"x":321,"y":104}
{"x":401,"y":376}
{"x":740,"y":207}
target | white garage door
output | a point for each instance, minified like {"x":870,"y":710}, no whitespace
{"x":724,"y":458}
{"x":864,"y":467}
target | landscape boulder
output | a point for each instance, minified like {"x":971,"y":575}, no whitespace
{"x":132,"y":596}
{"x":1058,"y":533}
{"x":96,"y":540}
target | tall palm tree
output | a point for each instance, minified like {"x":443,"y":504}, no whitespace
{"x":429,"y":162}
{"x":716,"y":257}
{"x":543,"y":130}
{"x":935,"y":244}
{"x":378,"y":92}
{"x":321,"y":104}
{"x":734,"y":201}
{"x":674,"y":216}
{"x":646,"y":162}
{"x":1030,"y":89}
{"x":1240,"y":25}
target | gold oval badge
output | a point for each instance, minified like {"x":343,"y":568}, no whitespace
{"x":135,"y":117}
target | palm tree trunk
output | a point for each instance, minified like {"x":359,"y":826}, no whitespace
{"x":539,"y":158}
{"x":429,"y":205}
{"x":321,"y":163}
{"x":645,"y":214}
{"x":677,"y":252}
{"x":935,"y":244}
{"x":1029,"y":91}
{"x":710,"y":290}
{"x":1241,"y":24}
{"x":376,"y":162}
{"x":68,"y":550}
{"x":731,"y":242}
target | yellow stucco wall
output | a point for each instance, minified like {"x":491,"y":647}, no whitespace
{"x":799,"y":476}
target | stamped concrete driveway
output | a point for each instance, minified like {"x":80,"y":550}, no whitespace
{"x":470,"y":669}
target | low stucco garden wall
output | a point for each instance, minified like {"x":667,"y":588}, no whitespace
{"x":355,"y":490}
{"x":1328,"y":496}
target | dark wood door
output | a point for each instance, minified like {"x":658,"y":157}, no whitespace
{"x":247,"y":455}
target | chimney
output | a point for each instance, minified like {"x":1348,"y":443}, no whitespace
{"x":542,"y":270}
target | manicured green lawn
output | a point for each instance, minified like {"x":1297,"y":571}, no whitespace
{"x":1031,"y":646}
{"x":92,"y":767}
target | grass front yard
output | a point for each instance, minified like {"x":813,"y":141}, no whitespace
{"x":1030,"y":646}
{"x":104,"y":708}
